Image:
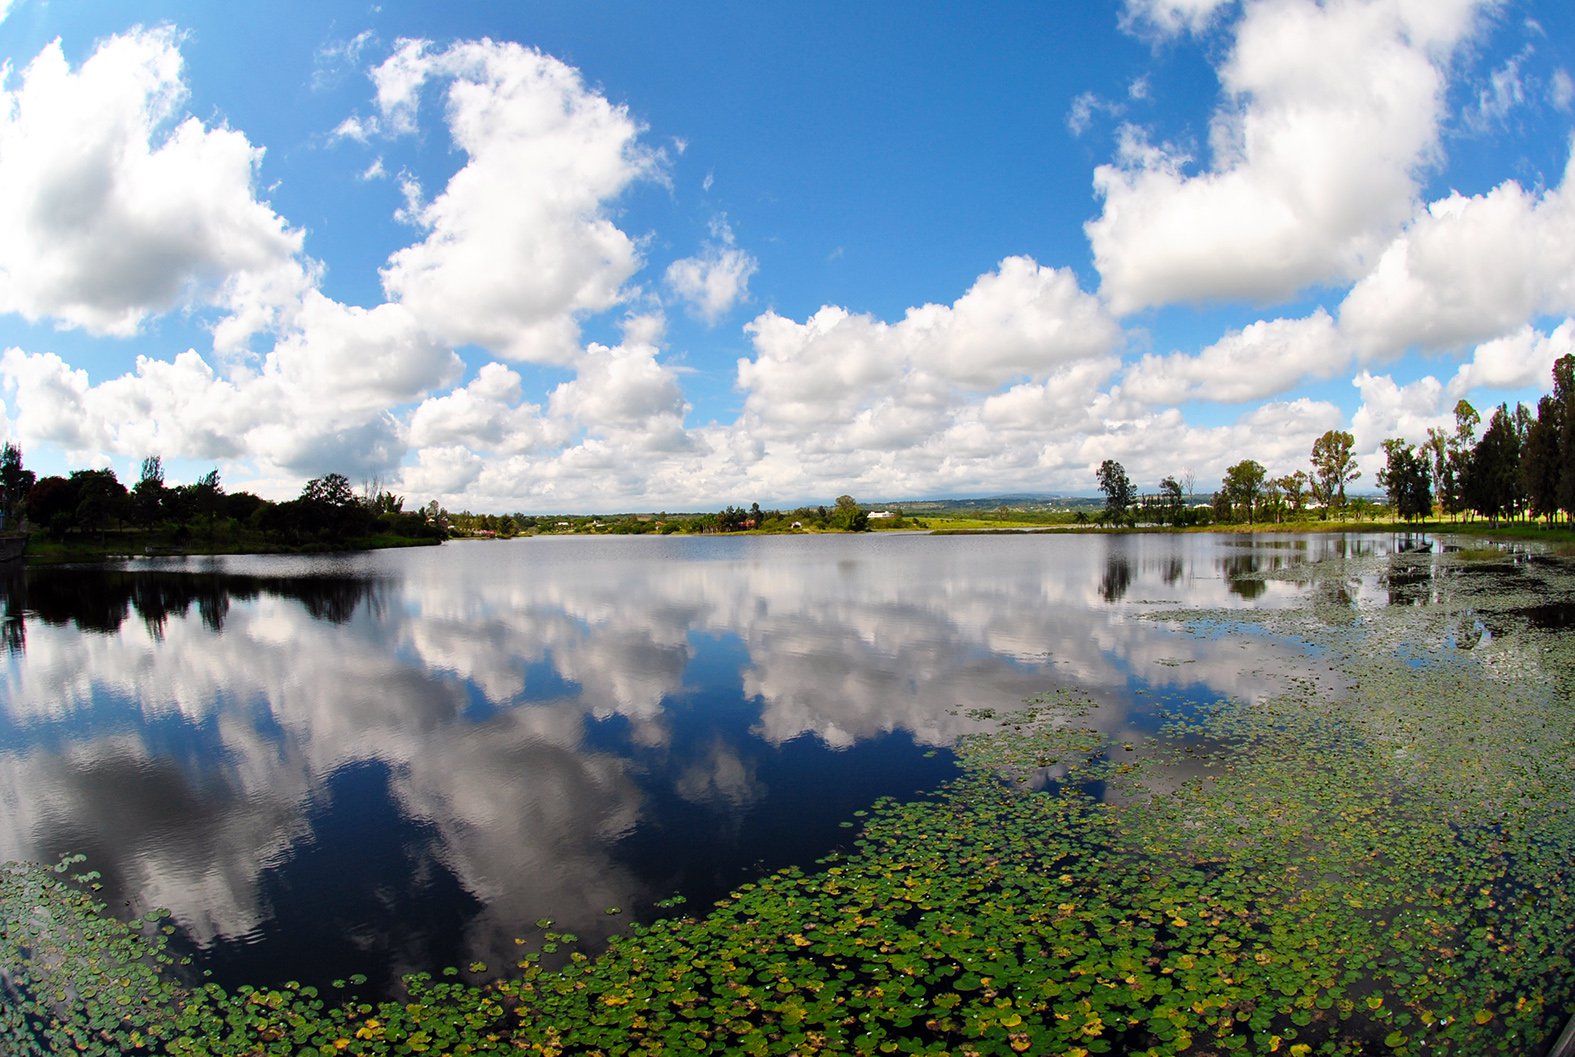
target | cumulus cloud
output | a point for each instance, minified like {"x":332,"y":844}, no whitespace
{"x":1467,"y":269}
{"x":519,"y":243}
{"x":1260,"y":360}
{"x":1520,"y":360}
{"x":1021,"y":321}
{"x":716,"y":280}
{"x":1389,"y":409}
{"x":1329,"y":112}
{"x":107,"y":215}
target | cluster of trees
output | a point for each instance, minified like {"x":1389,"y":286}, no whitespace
{"x":85,"y":502}
{"x":1522,"y":465}
{"x":845,"y":515}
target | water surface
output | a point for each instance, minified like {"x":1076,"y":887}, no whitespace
{"x":397,"y":761}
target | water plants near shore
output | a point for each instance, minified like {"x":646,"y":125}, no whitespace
{"x":1371,"y":856}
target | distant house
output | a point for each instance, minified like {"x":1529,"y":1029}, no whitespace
{"x":881,"y":515}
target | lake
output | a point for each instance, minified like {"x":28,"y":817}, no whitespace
{"x":393,"y":761}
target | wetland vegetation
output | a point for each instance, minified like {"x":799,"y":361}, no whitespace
{"x":1370,"y":853}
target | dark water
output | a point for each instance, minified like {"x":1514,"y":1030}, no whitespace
{"x":393,"y":762}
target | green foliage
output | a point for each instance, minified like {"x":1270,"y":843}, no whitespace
{"x":1334,"y":466}
{"x":1119,"y":494}
{"x":1405,"y":478}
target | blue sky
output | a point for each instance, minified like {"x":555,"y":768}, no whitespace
{"x":611,"y":256}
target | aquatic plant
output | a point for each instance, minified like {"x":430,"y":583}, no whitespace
{"x":1375,"y":857}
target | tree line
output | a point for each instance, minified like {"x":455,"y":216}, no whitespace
{"x":845,"y":515}
{"x":95,"y":503}
{"x":1521,"y":466}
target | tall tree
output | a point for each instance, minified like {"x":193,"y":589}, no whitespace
{"x":1170,"y":498}
{"x":15,"y":483}
{"x":1564,"y":398}
{"x":1334,"y":466}
{"x":148,"y":494}
{"x":1406,"y":478}
{"x":1243,"y":485}
{"x":1454,"y":489}
{"x":1294,"y":487}
{"x":847,"y":515}
{"x":1117,"y":486}
{"x":1494,"y":481}
{"x":1540,"y":467}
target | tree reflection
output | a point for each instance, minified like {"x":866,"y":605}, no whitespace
{"x":1117,"y":577}
{"x":102,"y":600}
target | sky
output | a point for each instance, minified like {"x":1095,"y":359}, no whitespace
{"x":567,"y":256}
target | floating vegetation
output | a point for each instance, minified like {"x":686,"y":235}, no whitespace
{"x":1375,"y":858}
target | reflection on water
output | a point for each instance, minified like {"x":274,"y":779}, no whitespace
{"x":396,"y":761}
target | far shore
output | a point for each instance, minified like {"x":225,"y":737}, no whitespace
{"x":113,"y":547}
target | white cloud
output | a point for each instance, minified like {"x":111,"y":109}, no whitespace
{"x":1468,"y":269}
{"x":622,"y":389}
{"x":107,"y":216}
{"x":1262,"y":359}
{"x":1392,"y":410}
{"x":1562,"y":92}
{"x":1504,"y":92}
{"x":488,"y":414}
{"x":1171,"y":17}
{"x":519,"y":243}
{"x":1329,"y":111}
{"x":1520,"y":360}
{"x":716,"y":280}
{"x":1019,"y":322}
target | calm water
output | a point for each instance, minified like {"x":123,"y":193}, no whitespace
{"x":397,"y":761}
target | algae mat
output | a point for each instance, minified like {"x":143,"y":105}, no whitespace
{"x":1372,"y":856}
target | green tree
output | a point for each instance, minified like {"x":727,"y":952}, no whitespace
{"x":848,"y":516}
{"x":1117,"y":486}
{"x":1293,"y":486}
{"x":1406,"y":479}
{"x":148,"y":494}
{"x":1540,"y":467}
{"x":1495,"y":479}
{"x":1454,"y":488}
{"x":101,"y":499}
{"x":15,"y":483}
{"x":1564,"y":412}
{"x":1170,"y":499}
{"x":207,"y":498}
{"x":1333,"y":467}
{"x":1243,"y":486}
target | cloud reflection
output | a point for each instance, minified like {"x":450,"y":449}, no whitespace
{"x":525,"y":699}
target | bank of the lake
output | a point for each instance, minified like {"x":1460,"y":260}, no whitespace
{"x":1359,"y":842}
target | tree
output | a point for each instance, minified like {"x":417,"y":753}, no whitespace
{"x":1117,"y":486}
{"x":1494,"y":481}
{"x":1454,"y":487}
{"x":1540,"y":467}
{"x":332,"y":490}
{"x":848,"y":516}
{"x":1405,"y":477}
{"x":1294,"y":487}
{"x":1243,"y":485}
{"x":148,"y":494}
{"x":1170,"y":497}
{"x":1564,"y":401}
{"x":1333,"y":467}
{"x":100,"y":499}
{"x":15,"y":483}
{"x":207,"y":497}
